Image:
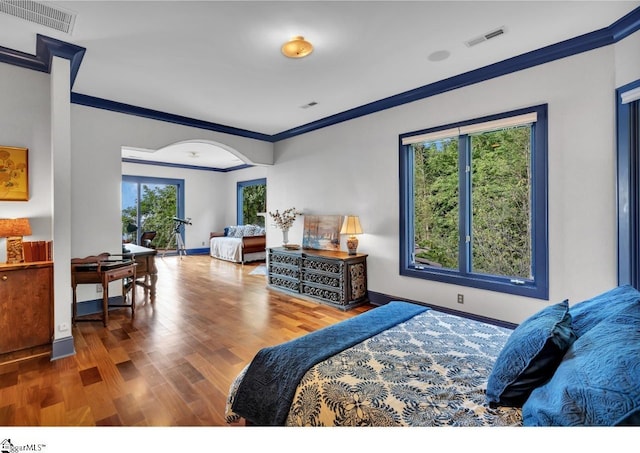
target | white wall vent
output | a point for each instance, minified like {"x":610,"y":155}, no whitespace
{"x":492,"y":34}
{"x":47,"y":15}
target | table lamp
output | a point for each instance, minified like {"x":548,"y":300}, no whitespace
{"x":351,"y":226}
{"x":13,"y":230}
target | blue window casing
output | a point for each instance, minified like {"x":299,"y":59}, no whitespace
{"x":240,"y":196}
{"x":179,"y":183}
{"x":538,"y":286}
{"x":628,"y":187}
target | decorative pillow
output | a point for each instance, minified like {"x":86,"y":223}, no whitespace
{"x":249,"y":230}
{"x":226,"y":231}
{"x":231,"y":231}
{"x":239,"y":231}
{"x":260,"y":231}
{"x":587,"y":314}
{"x":598,"y":381}
{"x":530,"y":356}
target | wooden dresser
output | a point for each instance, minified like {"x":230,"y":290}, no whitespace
{"x":331,"y":277}
{"x":26,"y":305}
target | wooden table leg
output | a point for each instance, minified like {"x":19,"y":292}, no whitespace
{"x":105,"y":300}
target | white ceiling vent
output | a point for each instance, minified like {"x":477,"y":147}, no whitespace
{"x":492,"y":34}
{"x":47,"y":15}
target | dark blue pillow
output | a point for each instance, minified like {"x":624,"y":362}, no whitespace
{"x":598,"y":381}
{"x":530,"y":356}
{"x":587,"y":314}
{"x":226,"y":231}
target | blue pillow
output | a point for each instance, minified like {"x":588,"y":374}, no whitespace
{"x":587,"y":314}
{"x":530,"y":356}
{"x":226,"y":231}
{"x":598,"y":381}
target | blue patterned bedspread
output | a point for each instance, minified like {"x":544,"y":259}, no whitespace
{"x":266,"y":391}
{"x":430,"y":370}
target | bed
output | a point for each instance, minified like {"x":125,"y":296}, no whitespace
{"x":238,"y":244}
{"x":403,"y":364}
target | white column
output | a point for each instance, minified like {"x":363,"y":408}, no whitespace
{"x":61,"y":202}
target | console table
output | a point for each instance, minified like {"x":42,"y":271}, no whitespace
{"x":331,"y":277}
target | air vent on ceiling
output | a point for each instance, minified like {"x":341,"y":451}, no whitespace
{"x":492,"y":34}
{"x":47,"y":15}
{"x":310,"y":104}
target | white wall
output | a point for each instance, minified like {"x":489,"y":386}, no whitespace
{"x":97,"y":138}
{"x":352,"y":167}
{"x":25,"y":122}
{"x":627,"y":60}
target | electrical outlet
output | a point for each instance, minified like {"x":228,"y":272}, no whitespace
{"x":99,"y":288}
{"x":461,"y":298}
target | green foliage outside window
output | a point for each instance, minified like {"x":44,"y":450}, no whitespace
{"x":500,"y":221}
{"x":254,"y":200}
{"x":158,"y":207}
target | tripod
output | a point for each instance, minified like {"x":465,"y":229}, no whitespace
{"x":180,"y":248}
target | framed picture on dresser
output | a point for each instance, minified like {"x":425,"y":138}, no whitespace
{"x":322,"y":232}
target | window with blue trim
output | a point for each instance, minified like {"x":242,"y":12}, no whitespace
{"x":251,"y":202}
{"x":473,"y":203}
{"x":628,"y":163}
{"x":150,"y":204}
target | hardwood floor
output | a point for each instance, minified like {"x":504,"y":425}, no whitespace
{"x":170,"y":366}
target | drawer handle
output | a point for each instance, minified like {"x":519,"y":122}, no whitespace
{"x":5,"y":278}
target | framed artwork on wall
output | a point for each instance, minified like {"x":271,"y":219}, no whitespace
{"x":14,"y":174}
{"x":322,"y":232}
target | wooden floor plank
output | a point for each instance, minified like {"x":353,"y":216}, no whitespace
{"x":170,"y":366}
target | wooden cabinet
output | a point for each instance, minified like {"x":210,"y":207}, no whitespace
{"x":331,"y":277}
{"x":26,"y":305}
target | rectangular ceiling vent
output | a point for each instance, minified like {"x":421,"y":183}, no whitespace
{"x":39,"y":13}
{"x":487,"y":36}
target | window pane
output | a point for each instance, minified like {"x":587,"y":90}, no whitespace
{"x":501,"y":201}
{"x":153,"y":212}
{"x":158,"y":207}
{"x":436,"y":203}
{"x":129,"y":210}
{"x":254,"y":200}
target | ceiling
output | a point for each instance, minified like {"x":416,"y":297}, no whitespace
{"x":220,"y":62}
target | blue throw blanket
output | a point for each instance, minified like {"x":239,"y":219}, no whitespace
{"x":268,"y":387}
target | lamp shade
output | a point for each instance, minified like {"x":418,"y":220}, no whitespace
{"x":351,"y":225}
{"x":14,"y":227}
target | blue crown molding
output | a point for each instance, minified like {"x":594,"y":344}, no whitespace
{"x":590,"y":41}
{"x":188,"y":167}
{"x":105,"y":104}
{"x":46,"y":49}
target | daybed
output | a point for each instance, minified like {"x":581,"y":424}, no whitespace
{"x":403,"y":364}
{"x":239,"y":244}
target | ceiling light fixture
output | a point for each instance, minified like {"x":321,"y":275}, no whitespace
{"x":297,"y":47}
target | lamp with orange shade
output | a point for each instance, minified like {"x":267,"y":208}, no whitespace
{"x":14,"y":230}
